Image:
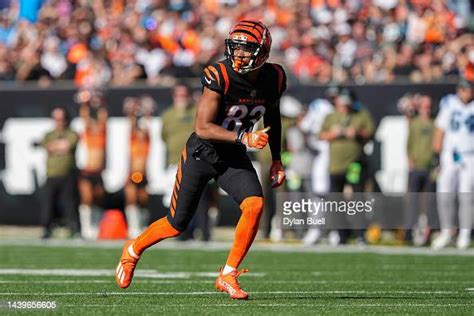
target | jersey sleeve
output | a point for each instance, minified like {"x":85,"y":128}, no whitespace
{"x":442,"y":120}
{"x":211,"y":78}
{"x":281,"y":79}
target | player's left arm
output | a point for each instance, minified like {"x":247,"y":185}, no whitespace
{"x":272,"y":119}
{"x":438,"y":140}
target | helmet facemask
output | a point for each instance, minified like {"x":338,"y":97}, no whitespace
{"x":257,"y":51}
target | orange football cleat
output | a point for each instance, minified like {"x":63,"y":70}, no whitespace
{"x":228,"y":283}
{"x":126,"y":266}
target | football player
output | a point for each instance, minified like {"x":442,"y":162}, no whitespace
{"x":237,"y":92}
{"x":454,"y":142}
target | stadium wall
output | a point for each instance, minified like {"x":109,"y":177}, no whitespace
{"x":24,"y":113}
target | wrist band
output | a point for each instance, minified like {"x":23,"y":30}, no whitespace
{"x":240,"y":135}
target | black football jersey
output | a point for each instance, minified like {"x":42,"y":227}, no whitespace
{"x":243,"y":103}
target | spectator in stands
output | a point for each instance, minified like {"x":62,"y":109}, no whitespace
{"x":320,"y":41}
{"x":60,"y":189}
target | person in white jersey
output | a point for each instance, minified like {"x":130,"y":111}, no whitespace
{"x":311,"y":125}
{"x":454,"y":141}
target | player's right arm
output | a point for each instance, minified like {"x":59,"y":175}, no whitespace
{"x":205,"y":127}
{"x":206,"y":114}
{"x":442,"y":123}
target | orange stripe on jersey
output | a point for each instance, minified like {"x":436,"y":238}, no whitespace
{"x":280,"y":77}
{"x":226,"y":77}
{"x":208,"y":74}
{"x":214,"y":71}
{"x":184,"y":154}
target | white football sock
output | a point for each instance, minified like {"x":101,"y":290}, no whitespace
{"x":85,"y":217}
{"x":132,"y":212}
{"x":228,"y":269}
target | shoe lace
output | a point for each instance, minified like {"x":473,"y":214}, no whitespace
{"x":236,"y":274}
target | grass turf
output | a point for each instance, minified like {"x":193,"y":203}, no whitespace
{"x":284,"y":283}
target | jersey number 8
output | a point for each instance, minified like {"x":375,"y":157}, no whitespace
{"x":237,"y":114}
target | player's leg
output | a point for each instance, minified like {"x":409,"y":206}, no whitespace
{"x":446,"y":186}
{"x":68,"y":200}
{"x":466,"y":200}
{"x":47,"y":206}
{"x":132,"y":211}
{"x":85,"y":207}
{"x":142,"y":199}
{"x":191,"y":177}
{"x":415,"y":184}
{"x":320,"y":186}
{"x":240,"y":181}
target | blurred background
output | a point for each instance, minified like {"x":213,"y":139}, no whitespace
{"x":97,"y":99}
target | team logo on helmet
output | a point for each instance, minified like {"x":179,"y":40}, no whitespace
{"x":252,"y":37}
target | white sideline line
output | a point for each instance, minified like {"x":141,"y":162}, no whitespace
{"x":153,"y":274}
{"x":258,"y":246}
{"x":125,"y":293}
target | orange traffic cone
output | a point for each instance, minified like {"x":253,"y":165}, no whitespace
{"x":113,"y":225}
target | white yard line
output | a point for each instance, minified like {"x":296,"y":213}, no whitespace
{"x":197,"y":293}
{"x":153,"y":274}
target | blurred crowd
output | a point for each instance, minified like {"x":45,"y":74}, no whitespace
{"x":118,"y":42}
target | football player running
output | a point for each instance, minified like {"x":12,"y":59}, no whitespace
{"x":237,"y":92}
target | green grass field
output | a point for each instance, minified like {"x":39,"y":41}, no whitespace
{"x":80,"y":280}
